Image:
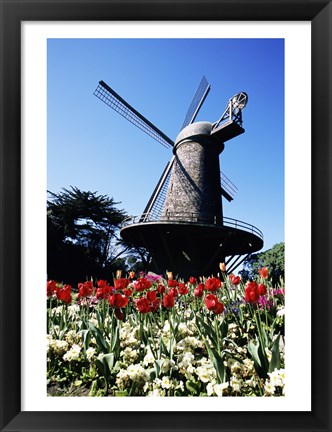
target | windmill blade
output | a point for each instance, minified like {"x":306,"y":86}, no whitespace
{"x":198,"y":99}
{"x":156,"y":203}
{"x":118,"y":104}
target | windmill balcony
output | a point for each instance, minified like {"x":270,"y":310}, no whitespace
{"x":193,"y":218}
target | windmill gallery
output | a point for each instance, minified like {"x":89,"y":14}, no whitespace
{"x":183,"y":225}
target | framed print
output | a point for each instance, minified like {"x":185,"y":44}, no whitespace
{"x":42,"y":46}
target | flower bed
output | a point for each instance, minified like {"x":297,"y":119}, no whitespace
{"x":155,"y":336}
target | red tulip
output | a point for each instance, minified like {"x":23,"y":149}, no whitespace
{"x":173,"y":292}
{"x":262,"y":289}
{"x":192,"y":280}
{"x":51,"y":287}
{"x":264,"y":272}
{"x":85,"y":290}
{"x":154,"y":305}
{"x":103,"y":290}
{"x":143,"y":305}
{"x":210,"y":301}
{"x":213,"y":304}
{"x":151,"y":296}
{"x":168,"y":301}
{"x":117,"y":300}
{"x":127,"y":292}
{"x":251,"y":292}
{"x":121,"y":283}
{"x":142,"y":284}
{"x":64,"y":294}
{"x":212,"y":284}
{"x":199,"y":291}
{"x":235,"y":280}
{"x":182,"y":288}
{"x":161,"y":289}
{"x":172,"y":283}
{"x":219,"y":308}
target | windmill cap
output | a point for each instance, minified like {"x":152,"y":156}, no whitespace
{"x":194,"y":129}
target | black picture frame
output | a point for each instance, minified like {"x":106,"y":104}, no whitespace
{"x":12,"y":13}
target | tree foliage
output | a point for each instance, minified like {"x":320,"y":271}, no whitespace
{"x":82,"y":235}
{"x":273,"y":259}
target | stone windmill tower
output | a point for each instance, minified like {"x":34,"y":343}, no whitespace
{"x":183,"y":225}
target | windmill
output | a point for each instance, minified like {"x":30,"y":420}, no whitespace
{"x":182,"y":224}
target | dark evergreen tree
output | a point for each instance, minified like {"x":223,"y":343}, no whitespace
{"x":82,"y":235}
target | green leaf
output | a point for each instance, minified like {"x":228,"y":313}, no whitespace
{"x":163,"y":348}
{"x":208,"y":329}
{"x":116,"y":342}
{"x":217,"y":361}
{"x":94,"y":388}
{"x":85,"y":338}
{"x":101,"y":342}
{"x":223,"y":329}
{"x":275,"y":359}
{"x":193,"y":387}
{"x":158,"y":365}
{"x":108,"y":360}
{"x":259,"y":357}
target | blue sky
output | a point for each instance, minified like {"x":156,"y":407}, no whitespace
{"x":93,"y":148}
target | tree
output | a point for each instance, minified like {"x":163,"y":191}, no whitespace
{"x":82,"y":238}
{"x":273,"y":259}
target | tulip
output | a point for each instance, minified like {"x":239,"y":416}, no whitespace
{"x":235,"y":280}
{"x":117,"y":300}
{"x":264,"y":272}
{"x":168,"y":301}
{"x":222,"y":267}
{"x":212,"y":284}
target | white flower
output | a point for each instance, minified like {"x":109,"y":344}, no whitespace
{"x":90,"y":352}
{"x":167,"y":365}
{"x":94,"y":321}
{"x":179,"y":385}
{"x":206,"y":374}
{"x":155,"y":393}
{"x":165,"y":382}
{"x":236,"y":367}
{"x":281,"y":312}
{"x":209,"y":389}
{"x":235,"y":384}
{"x":220,"y":388}
{"x":129,"y":354}
{"x":73,"y":310}
{"x":148,"y":359}
{"x":49,"y":342}
{"x":71,"y":337}
{"x":277,"y":377}
{"x":57,"y":310}
{"x":73,"y":353}
{"x":60,"y":346}
{"x":269,"y":388}
{"x":136,"y":372}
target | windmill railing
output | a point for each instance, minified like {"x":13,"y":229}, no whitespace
{"x":195,"y":218}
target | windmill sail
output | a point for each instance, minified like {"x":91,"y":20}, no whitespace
{"x":198,"y":99}
{"x":107,"y":95}
{"x":154,"y":207}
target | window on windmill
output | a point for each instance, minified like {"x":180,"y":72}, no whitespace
{"x":186,"y":255}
